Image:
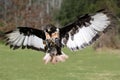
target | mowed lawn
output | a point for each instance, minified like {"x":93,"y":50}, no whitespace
{"x":86,"y":64}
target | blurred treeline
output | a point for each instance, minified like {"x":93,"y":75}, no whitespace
{"x":31,"y":13}
{"x":37,"y":13}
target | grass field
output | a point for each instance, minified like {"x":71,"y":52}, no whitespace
{"x":81,"y":65}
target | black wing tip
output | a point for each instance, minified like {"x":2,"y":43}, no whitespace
{"x":106,"y":11}
{"x":101,"y":10}
{"x":8,"y":32}
{"x":23,"y":47}
{"x":34,"y":48}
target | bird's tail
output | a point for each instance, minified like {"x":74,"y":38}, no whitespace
{"x":55,"y":59}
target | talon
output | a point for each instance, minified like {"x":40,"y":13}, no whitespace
{"x":47,"y":58}
{"x":53,"y":60}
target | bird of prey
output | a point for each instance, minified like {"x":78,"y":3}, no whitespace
{"x":76,"y":35}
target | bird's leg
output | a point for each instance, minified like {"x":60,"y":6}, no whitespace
{"x":50,"y":58}
{"x":62,"y":57}
{"x":47,"y":58}
{"x":58,"y":58}
{"x":55,"y":58}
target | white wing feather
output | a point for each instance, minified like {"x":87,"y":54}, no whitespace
{"x":85,"y":34}
{"x":19,"y":39}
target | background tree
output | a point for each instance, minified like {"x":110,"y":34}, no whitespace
{"x":31,"y":13}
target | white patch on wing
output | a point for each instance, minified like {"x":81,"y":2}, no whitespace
{"x":100,"y":22}
{"x":25,"y":41}
{"x":29,"y":40}
{"x":85,"y":34}
{"x":13,"y":36}
{"x":17,"y":39}
{"x":21,"y":39}
{"x":37,"y":42}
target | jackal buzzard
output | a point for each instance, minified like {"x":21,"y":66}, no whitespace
{"x":75,"y":35}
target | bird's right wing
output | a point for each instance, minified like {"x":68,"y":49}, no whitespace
{"x":85,"y":30}
{"x":26,"y":37}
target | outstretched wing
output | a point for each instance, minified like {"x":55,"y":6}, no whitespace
{"x":85,"y":30}
{"x":26,"y":37}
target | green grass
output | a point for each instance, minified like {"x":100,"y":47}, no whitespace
{"x":81,"y":65}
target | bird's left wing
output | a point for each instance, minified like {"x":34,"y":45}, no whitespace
{"x":26,"y":37}
{"x":85,"y":30}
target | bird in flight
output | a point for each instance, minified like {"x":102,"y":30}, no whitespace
{"x":76,"y":35}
